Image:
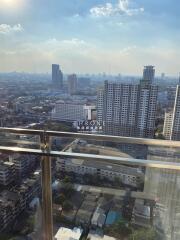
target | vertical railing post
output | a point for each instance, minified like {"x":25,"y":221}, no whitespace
{"x":47,"y":220}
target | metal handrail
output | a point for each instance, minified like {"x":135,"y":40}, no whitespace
{"x":97,"y":137}
{"x":46,"y":153}
{"x":100,"y":158}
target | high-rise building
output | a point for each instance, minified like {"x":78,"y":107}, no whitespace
{"x":171,"y":94}
{"x":100,"y":104}
{"x":175,"y":131}
{"x":149,"y":74}
{"x":171,"y":128}
{"x":167,"y":124}
{"x":128,"y":109}
{"x":57,"y":77}
{"x":72,"y":83}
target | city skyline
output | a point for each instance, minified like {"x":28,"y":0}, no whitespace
{"x":89,"y":37}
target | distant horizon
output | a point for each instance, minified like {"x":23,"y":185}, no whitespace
{"x":90,"y":36}
{"x":88,"y":74}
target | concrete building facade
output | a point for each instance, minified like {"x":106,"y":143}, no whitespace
{"x":72,"y":112}
{"x":128,"y":176}
{"x":128,"y":109}
{"x":168,"y":124}
{"x":57,"y":77}
{"x":171,"y":128}
{"x":72,"y":84}
{"x":149,"y":74}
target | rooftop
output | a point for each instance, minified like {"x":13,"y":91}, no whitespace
{"x":93,"y":235}
{"x":68,"y":234}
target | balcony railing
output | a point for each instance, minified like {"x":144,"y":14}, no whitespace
{"x":46,"y":153}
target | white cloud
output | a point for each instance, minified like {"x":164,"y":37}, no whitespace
{"x":67,"y":45}
{"x":121,"y":8}
{"x":127,"y":50}
{"x":8,"y":29}
{"x":75,"y":42}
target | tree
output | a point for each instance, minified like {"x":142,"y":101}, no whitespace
{"x":119,"y":230}
{"x":160,"y":136}
{"x":143,"y":234}
{"x":60,"y":199}
{"x":67,"y":179}
{"x":67,"y":206}
{"x":68,"y":189}
{"x":31,"y":223}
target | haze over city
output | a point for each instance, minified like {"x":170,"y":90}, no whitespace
{"x":118,"y":36}
{"x":89,"y":120}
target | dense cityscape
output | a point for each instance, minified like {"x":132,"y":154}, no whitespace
{"x":86,"y":207}
{"x":89,"y":120}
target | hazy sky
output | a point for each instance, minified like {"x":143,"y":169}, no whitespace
{"x":90,"y":36}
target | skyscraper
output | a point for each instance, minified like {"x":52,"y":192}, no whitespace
{"x":128,"y":109}
{"x":100,"y":105}
{"x":72,"y":83}
{"x":57,"y":77}
{"x":149,"y":74}
{"x":171,"y":128}
{"x":175,"y":131}
{"x":168,"y":124}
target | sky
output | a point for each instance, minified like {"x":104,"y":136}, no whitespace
{"x":90,"y":36}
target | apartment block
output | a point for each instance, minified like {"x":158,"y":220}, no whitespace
{"x":168,"y":119}
{"x":175,"y":132}
{"x":72,"y":112}
{"x":128,"y":175}
{"x":22,"y":164}
{"x":141,"y":215}
{"x":100,"y":105}
{"x":171,"y":128}
{"x":128,"y":109}
{"x":7,"y":173}
{"x":14,"y":201}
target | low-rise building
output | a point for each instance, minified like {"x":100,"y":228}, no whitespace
{"x":9,"y":208}
{"x":128,"y":175}
{"x":98,"y":218}
{"x":85,"y":213}
{"x":86,"y":210}
{"x":72,"y":112}
{"x":141,"y":215}
{"x":94,"y":235}
{"x":22,"y":164}
{"x":7,"y":173}
{"x":68,"y":234}
{"x":13,"y":202}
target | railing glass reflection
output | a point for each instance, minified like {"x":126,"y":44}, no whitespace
{"x":118,"y":187}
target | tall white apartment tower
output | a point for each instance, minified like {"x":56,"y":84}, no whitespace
{"x":175,"y":131}
{"x":128,"y":109}
{"x":171,"y":130}
{"x":168,"y":119}
{"x":100,"y":105}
